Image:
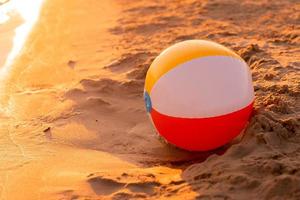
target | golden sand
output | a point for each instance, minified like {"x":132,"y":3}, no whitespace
{"x":73,"y":122}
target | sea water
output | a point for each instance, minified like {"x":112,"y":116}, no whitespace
{"x":17,"y":18}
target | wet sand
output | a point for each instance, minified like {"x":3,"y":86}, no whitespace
{"x":74,"y":125}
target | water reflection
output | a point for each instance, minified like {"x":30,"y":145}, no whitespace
{"x":10,"y":14}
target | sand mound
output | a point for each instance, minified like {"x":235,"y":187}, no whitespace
{"x":151,"y":183}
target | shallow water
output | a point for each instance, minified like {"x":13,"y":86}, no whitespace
{"x":17,"y":18}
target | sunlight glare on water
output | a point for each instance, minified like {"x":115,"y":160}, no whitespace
{"x":29,"y":11}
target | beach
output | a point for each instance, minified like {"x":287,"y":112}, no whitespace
{"x":73,"y":120}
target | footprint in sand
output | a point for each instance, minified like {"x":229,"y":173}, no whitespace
{"x":104,"y":186}
{"x":107,"y":186}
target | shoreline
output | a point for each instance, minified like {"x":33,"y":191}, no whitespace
{"x":7,"y":35}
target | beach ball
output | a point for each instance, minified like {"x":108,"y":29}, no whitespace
{"x":199,"y":95}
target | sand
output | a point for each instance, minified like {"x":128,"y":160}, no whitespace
{"x":73,"y":123}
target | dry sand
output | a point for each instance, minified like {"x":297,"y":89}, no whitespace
{"x":73,"y":122}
